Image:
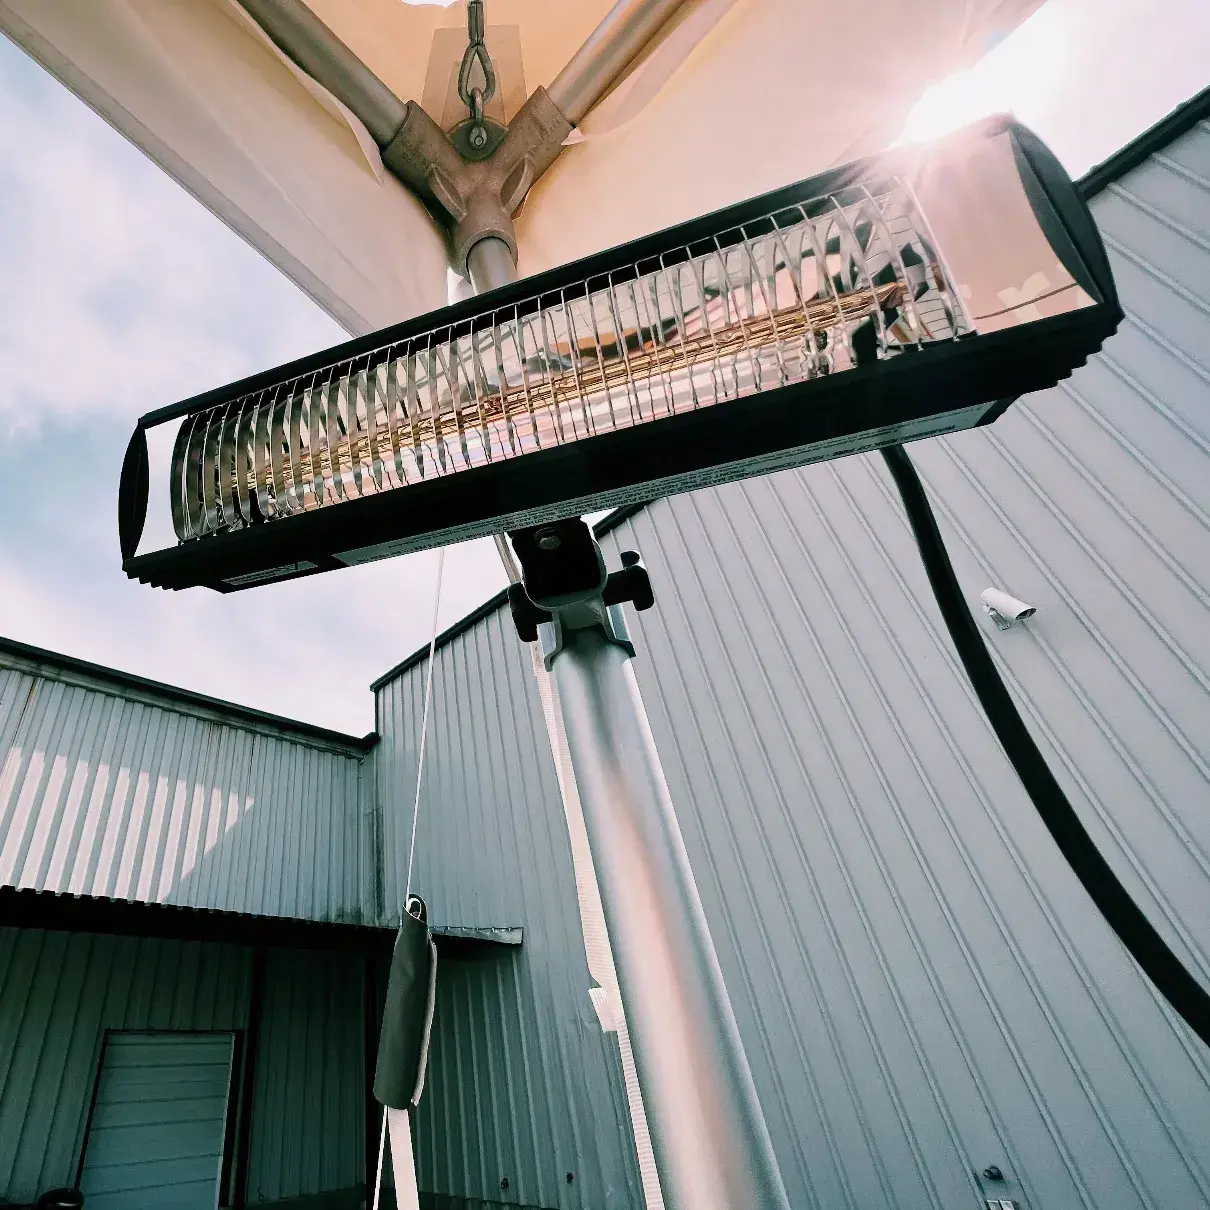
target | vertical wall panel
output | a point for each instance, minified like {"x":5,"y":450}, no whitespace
{"x":59,"y":992}
{"x":308,"y":1125}
{"x":523,"y":1084}
{"x":923,"y":987}
{"x":116,"y":794}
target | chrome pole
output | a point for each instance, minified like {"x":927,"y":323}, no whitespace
{"x":709,"y":1138}
{"x":490,"y":264}
{"x":610,"y":49}
{"x":712,"y":1147}
{"x":302,"y":37}
{"x":708,"y":1134}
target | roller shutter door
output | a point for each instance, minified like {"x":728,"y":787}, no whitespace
{"x":155,"y":1141}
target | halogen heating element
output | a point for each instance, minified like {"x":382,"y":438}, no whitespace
{"x":885,"y":301}
{"x":771,"y":309}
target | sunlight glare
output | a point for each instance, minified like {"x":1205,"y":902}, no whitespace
{"x":1016,"y":76}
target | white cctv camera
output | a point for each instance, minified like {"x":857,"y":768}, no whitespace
{"x":1004,"y":610}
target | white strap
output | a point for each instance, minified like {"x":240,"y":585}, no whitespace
{"x":424,"y":724}
{"x":430,"y":1006}
{"x":382,"y":1145}
{"x":403,"y":1161}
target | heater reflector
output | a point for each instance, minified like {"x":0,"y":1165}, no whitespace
{"x":880,"y":302}
{"x":793,"y":298}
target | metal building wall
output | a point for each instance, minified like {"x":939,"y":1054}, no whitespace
{"x":308,"y":1129}
{"x":59,"y":992}
{"x":115,"y":793}
{"x":923,"y":988}
{"x":522,"y":1083}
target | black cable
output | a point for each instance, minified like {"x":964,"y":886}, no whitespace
{"x":1122,"y":914}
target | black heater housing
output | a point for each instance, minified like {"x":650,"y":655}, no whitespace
{"x":902,"y":296}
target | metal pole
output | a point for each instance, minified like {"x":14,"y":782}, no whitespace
{"x":711,"y":1144}
{"x":712,"y":1147}
{"x":302,"y":37}
{"x":609,"y":50}
{"x":490,"y":264}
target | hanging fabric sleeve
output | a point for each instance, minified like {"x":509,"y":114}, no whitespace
{"x":406,"y":1017}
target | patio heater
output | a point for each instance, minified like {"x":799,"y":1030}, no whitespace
{"x":871,"y":305}
{"x":861,"y":309}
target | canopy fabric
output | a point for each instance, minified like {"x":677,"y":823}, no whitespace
{"x":734,"y":97}
{"x":749,"y":95}
{"x":195,"y":85}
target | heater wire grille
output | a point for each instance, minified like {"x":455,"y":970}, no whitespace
{"x":805,"y":292}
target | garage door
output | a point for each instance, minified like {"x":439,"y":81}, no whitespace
{"x":155,"y":1141}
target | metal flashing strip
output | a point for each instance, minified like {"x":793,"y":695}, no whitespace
{"x":509,"y":935}
{"x":52,"y":665}
{"x":25,"y":908}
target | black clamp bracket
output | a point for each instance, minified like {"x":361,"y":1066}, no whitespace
{"x":565,"y":584}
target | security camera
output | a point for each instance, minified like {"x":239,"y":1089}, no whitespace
{"x":1004,"y":610}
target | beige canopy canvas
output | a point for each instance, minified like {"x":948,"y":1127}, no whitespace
{"x":729,"y":98}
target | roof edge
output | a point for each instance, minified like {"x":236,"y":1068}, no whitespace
{"x":30,"y":908}
{"x":450,"y":633}
{"x":56,"y":911}
{"x":39,"y":661}
{"x":1155,"y":138}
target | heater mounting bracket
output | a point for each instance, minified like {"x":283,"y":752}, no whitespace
{"x":564,"y":586}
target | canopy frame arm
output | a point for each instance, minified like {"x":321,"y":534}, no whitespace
{"x":477,"y":199}
{"x":304,"y":39}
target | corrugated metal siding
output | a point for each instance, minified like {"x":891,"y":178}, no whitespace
{"x":59,"y":992}
{"x":308,"y":1128}
{"x":522,"y":1082}
{"x":922,"y":986}
{"x":105,"y":794}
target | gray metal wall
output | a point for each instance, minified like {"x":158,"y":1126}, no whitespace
{"x":59,"y":992}
{"x":308,"y":1130}
{"x":118,"y":793}
{"x":922,"y":986}
{"x":522,"y":1083}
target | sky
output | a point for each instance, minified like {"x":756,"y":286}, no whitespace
{"x":119,"y":293}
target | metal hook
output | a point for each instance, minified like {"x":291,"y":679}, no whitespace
{"x":476,"y":51}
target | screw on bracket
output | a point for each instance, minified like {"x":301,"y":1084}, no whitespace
{"x":473,"y":97}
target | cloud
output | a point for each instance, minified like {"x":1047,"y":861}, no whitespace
{"x":120,"y":293}
{"x":307,"y":649}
